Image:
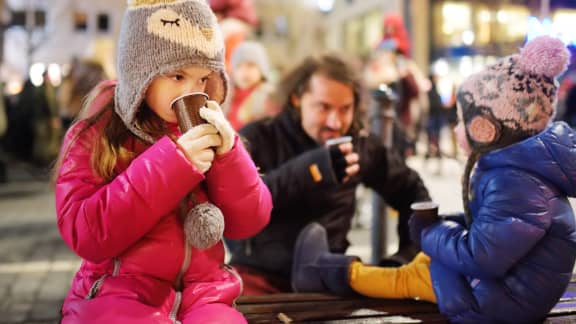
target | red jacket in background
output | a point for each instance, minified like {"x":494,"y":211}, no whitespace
{"x":240,"y":9}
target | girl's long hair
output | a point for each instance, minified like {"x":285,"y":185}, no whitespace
{"x":112,"y":146}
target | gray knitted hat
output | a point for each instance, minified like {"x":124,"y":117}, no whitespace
{"x":161,"y":36}
{"x":250,"y":51}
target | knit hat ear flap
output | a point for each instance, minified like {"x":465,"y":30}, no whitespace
{"x":483,"y":130}
{"x":217,"y":87}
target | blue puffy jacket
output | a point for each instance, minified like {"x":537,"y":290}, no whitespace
{"x":516,"y":260}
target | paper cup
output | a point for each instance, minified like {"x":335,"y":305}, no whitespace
{"x":187,"y":109}
{"x":425,"y":209}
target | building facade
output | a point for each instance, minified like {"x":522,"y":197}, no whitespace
{"x":44,"y":34}
{"x":467,"y":35}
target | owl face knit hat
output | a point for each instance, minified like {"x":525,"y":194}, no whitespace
{"x":510,"y":100}
{"x":161,"y":36}
{"x":514,"y":98}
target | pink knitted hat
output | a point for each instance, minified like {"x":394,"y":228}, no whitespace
{"x":510,"y":101}
{"x":514,"y":98}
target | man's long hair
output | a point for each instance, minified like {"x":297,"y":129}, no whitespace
{"x":332,"y":66}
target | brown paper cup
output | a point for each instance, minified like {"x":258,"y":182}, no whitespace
{"x":425,"y":209}
{"x":187,"y":109}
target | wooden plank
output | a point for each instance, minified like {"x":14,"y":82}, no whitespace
{"x":362,"y":310}
{"x":285,"y":298}
{"x":391,"y":306}
{"x":320,"y":317}
{"x":324,"y":308}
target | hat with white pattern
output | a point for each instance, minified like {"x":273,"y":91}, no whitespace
{"x":161,"y":36}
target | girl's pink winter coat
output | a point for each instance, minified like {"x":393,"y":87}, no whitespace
{"x":136,"y":265}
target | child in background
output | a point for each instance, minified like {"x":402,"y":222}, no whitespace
{"x":127,"y":178}
{"x":250,"y":76}
{"x":510,"y":256}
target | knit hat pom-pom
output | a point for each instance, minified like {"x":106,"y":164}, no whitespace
{"x":544,"y":55}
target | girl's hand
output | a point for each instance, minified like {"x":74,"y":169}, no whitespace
{"x":213,"y":114}
{"x":197,"y":144}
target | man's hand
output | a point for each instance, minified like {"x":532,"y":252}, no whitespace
{"x":344,"y":161}
{"x":197,"y":144}
{"x":213,"y":114}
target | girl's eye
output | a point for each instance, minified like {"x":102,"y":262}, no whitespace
{"x":204,"y":79}
{"x":175,"y":77}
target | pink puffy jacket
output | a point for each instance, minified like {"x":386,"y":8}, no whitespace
{"x":136,"y":265}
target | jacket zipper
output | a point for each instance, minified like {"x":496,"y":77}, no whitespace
{"x":184,"y":268}
{"x":178,"y":282}
{"x":175,"y":307}
{"x":232,"y":271}
{"x":95,"y":288}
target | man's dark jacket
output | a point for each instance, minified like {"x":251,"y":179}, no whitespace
{"x":285,"y":155}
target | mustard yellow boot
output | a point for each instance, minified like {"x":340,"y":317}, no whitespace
{"x":408,"y":281}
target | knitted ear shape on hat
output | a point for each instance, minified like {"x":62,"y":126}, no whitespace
{"x":161,"y":36}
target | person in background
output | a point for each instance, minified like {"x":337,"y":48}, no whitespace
{"x":130,"y":188}
{"x":251,"y":86}
{"x":34,"y":129}
{"x":237,"y":19}
{"x":84,"y":76}
{"x":434,"y":123}
{"x":313,"y":182}
{"x":3,"y":128}
{"x":391,"y":64}
{"x":509,"y":257}
{"x":452,"y":120}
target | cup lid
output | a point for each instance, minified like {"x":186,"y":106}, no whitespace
{"x":422,"y":205}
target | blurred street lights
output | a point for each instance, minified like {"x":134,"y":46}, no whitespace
{"x":325,"y":5}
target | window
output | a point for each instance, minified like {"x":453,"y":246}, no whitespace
{"x":39,"y":18}
{"x":103,"y":22}
{"x":80,"y":21}
{"x":18,"y":18}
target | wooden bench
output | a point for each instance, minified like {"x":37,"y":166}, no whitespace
{"x":322,"y":308}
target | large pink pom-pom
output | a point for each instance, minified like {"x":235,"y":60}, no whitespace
{"x":544,"y":55}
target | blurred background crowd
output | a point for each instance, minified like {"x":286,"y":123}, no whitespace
{"x":413,"y":54}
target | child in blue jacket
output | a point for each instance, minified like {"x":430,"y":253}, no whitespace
{"x":510,"y":256}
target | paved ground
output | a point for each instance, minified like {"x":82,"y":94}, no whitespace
{"x":36,"y":267}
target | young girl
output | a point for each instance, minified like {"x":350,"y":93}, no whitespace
{"x":510,"y":256}
{"x":250,"y":71}
{"x":128,"y":178}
